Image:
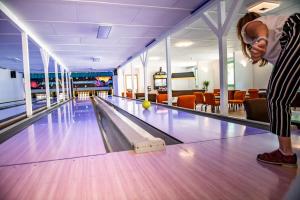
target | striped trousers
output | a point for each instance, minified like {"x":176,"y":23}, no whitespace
{"x":285,"y":78}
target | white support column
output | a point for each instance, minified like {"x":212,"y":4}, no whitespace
{"x":70,"y":86}
{"x":67,"y":85}
{"x":56,"y":82}
{"x":144,"y":60}
{"x":132,"y":79}
{"x":221,"y":29}
{"x":115,"y":82}
{"x":223,"y":75}
{"x":26,"y":69}
{"x":169,"y":70}
{"x":63,"y":82}
{"x":222,"y":43}
{"x":45,"y":59}
{"x":124,"y":82}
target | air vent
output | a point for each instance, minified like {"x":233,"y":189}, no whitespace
{"x":96,"y":59}
{"x":263,"y":7}
{"x":151,"y":42}
{"x":103,"y":32}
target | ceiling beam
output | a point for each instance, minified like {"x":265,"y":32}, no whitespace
{"x":126,"y":4}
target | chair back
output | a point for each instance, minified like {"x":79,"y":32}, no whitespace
{"x":239,"y":95}
{"x":217,"y":91}
{"x":210,"y":98}
{"x":162,"y":97}
{"x":231,"y":94}
{"x":139,"y":95}
{"x":152,"y":97}
{"x":199,"y":97}
{"x":256,"y":109}
{"x":129,"y":95}
{"x":253,"y":93}
{"x":186,"y":101}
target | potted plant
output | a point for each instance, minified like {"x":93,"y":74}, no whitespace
{"x":205,"y":85}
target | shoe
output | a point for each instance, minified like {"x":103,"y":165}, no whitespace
{"x":277,"y":158}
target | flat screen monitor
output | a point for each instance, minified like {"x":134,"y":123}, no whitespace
{"x":160,"y":82}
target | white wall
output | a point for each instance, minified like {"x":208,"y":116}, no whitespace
{"x":250,"y":76}
{"x":209,"y":71}
{"x":11,"y":88}
{"x":261,"y":76}
{"x":243,"y":71}
{"x":120,"y":82}
{"x":183,"y":83}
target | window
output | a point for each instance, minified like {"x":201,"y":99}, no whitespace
{"x":128,"y":82}
{"x":230,"y":74}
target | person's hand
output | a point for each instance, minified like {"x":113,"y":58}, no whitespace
{"x":258,"y":50}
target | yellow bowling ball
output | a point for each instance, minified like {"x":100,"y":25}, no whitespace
{"x":146,"y":104}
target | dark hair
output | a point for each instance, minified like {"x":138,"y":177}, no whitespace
{"x":248,"y":17}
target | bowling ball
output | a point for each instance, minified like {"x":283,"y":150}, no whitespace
{"x":146,"y":104}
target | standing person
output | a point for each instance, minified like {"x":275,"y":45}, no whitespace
{"x":275,"y":39}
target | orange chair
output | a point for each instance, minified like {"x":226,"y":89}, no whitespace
{"x":231,"y":94}
{"x":162,"y":97}
{"x":129,"y":95}
{"x":211,"y":101}
{"x":239,"y":98}
{"x":199,"y":99}
{"x":187,"y":101}
{"x":217,"y":92}
{"x":253,"y":93}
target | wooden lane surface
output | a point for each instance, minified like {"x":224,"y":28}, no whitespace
{"x":69,"y":131}
{"x":218,"y":169}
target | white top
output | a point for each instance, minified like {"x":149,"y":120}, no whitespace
{"x":275,"y":26}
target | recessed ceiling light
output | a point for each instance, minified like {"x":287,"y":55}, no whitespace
{"x":154,"y":58}
{"x":263,"y":7}
{"x":186,"y":43}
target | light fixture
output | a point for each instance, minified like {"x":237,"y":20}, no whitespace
{"x":263,"y":7}
{"x":154,"y":58}
{"x":185,"y":43}
{"x":103,"y":32}
{"x":204,"y":69}
{"x":243,"y":63}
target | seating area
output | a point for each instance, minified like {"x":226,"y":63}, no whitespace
{"x":250,"y":104}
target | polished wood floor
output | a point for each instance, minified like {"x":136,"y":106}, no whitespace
{"x":62,"y":156}
{"x":217,"y":169}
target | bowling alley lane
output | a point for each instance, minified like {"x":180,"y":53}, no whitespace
{"x":182,"y":125}
{"x":69,"y":131}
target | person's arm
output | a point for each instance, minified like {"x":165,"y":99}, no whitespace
{"x":257,"y":31}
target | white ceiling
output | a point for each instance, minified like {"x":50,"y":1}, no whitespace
{"x":70,"y":27}
{"x":205,"y":47}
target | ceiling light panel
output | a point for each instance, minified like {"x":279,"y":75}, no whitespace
{"x":263,"y":7}
{"x":103,"y":32}
{"x":184,"y":43}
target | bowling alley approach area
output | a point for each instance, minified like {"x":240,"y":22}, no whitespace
{"x":148,"y":99}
